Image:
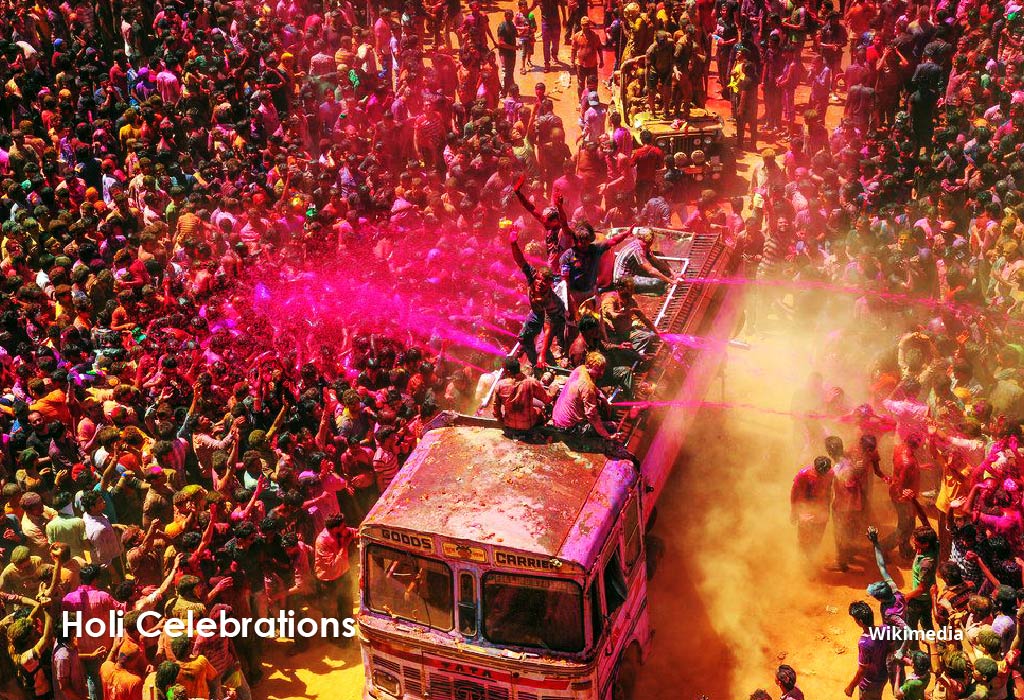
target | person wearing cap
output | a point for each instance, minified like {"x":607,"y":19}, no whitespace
{"x":586,"y":55}
{"x":593,"y":119}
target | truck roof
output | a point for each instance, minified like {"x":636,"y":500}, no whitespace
{"x":474,"y":484}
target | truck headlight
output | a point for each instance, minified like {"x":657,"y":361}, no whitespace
{"x":388,"y":683}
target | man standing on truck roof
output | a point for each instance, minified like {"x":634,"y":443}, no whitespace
{"x":579,"y":264}
{"x":577,"y":409}
{"x":660,"y":60}
{"x":682,"y":79}
{"x":547,"y":312}
{"x":516,"y":399}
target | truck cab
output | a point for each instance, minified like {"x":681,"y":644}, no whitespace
{"x":494,"y":569}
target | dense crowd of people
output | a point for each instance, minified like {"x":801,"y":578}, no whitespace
{"x":248,"y":252}
{"x":911,"y":209}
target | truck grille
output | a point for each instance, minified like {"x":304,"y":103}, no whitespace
{"x":387,"y":665}
{"x":444,"y":688}
{"x":440,"y":687}
{"x":412,"y":677}
{"x":684,"y":144}
{"x":413,"y":680}
{"x":522,"y":695}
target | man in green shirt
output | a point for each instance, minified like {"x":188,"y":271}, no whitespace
{"x":67,"y":527}
{"x":926,"y":561}
{"x":914,"y":686}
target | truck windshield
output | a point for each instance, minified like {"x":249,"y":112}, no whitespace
{"x":410,"y":587}
{"x":530,"y":611}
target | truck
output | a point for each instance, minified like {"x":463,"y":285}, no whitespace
{"x":496,"y":568}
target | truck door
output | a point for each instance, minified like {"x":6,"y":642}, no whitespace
{"x":620,"y":589}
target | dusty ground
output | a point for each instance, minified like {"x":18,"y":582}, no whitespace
{"x":732,"y":600}
{"x":733,"y":595}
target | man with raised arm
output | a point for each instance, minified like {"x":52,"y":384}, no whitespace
{"x":547,"y":312}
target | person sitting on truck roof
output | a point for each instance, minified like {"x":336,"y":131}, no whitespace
{"x":578,"y":408}
{"x":634,"y":93}
{"x":619,"y":311}
{"x":519,"y":399}
{"x":619,"y":371}
{"x":636,"y":261}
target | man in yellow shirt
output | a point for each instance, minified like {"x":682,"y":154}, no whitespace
{"x":195,"y":672}
{"x":618,"y":312}
{"x":131,"y":131}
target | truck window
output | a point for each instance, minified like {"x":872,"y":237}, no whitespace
{"x":530,"y":611}
{"x":631,"y":533}
{"x":596,"y":614}
{"x":409,"y":586}
{"x":467,"y":604}
{"x":615,"y":589}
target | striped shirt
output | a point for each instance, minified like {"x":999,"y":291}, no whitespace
{"x":385,"y":464}
{"x":629,"y":260}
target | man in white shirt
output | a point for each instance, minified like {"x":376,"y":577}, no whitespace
{"x":106,"y":545}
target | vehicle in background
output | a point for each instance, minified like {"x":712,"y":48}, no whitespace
{"x":700,"y":135}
